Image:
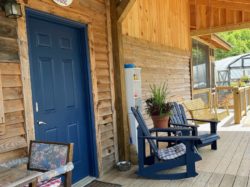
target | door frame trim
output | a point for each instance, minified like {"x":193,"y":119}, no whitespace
{"x":84,"y":28}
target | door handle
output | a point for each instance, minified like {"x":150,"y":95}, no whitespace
{"x":41,"y":122}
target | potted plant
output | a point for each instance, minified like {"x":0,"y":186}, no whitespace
{"x":157,"y":107}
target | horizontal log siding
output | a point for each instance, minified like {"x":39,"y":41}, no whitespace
{"x":159,"y":64}
{"x":12,"y":132}
{"x":95,"y":12}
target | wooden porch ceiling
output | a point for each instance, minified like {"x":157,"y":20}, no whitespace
{"x":214,"y":41}
{"x":211,"y":16}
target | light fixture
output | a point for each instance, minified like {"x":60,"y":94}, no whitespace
{"x":12,"y":9}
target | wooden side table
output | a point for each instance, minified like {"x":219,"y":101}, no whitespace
{"x":18,"y":177}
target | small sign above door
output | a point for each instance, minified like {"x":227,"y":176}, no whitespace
{"x":63,"y":2}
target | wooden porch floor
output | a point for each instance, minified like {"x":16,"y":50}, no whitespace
{"x":228,"y":166}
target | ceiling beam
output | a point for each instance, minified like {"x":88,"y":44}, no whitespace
{"x":232,"y":5}
{"x":220,"y":42}
{"x":123,"y":9}
{"x":212,"y":1}
{"x":222,"y":28}
{"x":204,"y":41}
{"x":215,"y":41}
{"x":238,"y":1}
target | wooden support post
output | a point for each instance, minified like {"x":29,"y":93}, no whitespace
{"x":118,"y":13}
{"x":216,"y":98}
{"x":245,"y":101}
{"x":111,"y":69}
{"x":2,"y":116}
{"x":248,"y":99}
{"x":68,"y":175}
{"x":33,"y":184}
{"x":237,"y":106}
{"x":26,"y":80}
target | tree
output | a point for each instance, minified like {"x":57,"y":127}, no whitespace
{"x":239,"y":40}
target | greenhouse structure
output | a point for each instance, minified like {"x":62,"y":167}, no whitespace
{"x":232,"y":69}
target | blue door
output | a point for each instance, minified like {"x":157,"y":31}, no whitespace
{"x":60,"y":88}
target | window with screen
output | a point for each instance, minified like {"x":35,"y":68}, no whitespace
{"x":200,"y":61}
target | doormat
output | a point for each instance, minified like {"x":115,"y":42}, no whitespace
{"x":97,"y":183}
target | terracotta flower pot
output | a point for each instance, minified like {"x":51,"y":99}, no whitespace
{"x":160,"y":121}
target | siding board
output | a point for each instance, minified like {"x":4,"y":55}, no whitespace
{"x":12,"y":140}
{"x":163,"y":21}
{"x":16,"y":86}
{"x":159,"y":64}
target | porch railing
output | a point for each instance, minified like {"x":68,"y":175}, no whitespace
{"x":236,"y":98}
{"x":223,"y":96}
{"x":241,"y":97}
{"x":204,"y":94}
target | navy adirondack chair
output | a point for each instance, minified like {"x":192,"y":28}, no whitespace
{"x":179,"y":119}
{"x":182,"y":154}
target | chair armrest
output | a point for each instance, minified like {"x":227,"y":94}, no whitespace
{"x":193,"y":127}
{"x":168,"y":129}
{"x":184,"y":125}
{"x":15,"y":163}
{"x":171,"y":138}
{"x":213,"y":124}
{"x":56,"y":172}
{"x":204,"y":120}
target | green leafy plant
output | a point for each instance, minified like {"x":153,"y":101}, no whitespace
{"x":156,"y":105}
{"x":245,"y":79}
{"x":239,"y":40}
{"x":238,"y":84}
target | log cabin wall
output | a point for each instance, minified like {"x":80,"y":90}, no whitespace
{"x":159,"y":64}
{"x":156,"y":37}
{"x":12,"y":130}
{"x":15,"y":77}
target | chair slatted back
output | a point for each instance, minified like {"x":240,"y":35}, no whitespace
{"x":178,"y":114}
{"x":195,"y":104}
{"x":144,"y":128}
{"x":199,"y":110}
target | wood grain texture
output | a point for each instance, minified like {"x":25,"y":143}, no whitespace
{"x":159,"y":64}
{"x":17,"y":153}
{"x":93,"y":13}
{"x":12,"y":136}
{"x":120,"y":96}
{"x":8,"y":39}
{"x":10,"y":68}
{"x":12,"y":129}
{"x":13,"y":108}
{"x":2,"y":117}
{"x":110,"y":143}
{"x":221,"y":168}
{"x":8,"y":28}
{"x":25,"y":77}
{"x":163,"y":21}
{"x":124,"y":8}
{"x":218,"y":16}
{"x":14,"y":143}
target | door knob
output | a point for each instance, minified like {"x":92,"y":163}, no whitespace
{"x":41,"y":122}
